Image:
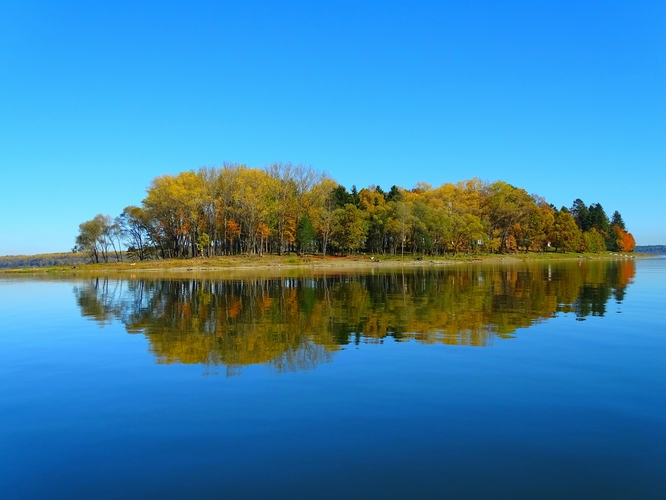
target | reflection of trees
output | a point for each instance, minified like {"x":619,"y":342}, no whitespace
{"x":295,"y":323}
{"x":599,"y":284}
{"x":233,"y":323}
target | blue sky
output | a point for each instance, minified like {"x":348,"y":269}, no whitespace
{"x":564,"y":99}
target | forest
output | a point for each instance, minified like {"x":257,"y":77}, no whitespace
{"x":286,"y":208}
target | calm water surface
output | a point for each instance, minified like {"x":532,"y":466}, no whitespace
{"x":523,"y":381}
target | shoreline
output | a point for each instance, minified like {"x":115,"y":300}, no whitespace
{"x":272,"y":263}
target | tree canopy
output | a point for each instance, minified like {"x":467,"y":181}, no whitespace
{"x":294,"y":208}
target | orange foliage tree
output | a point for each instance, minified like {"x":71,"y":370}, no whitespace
{"x":625,"y":240}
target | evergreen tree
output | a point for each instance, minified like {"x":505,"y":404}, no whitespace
{"x":395,"y":194}
{"x":341,"y":196}
{"x":616,"y":220}
{"x":581,"y":214}
{"x":306,"y":236}
{"x":355,"y":197}
{"x":598,"y":218}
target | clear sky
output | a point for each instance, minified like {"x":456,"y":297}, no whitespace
{"x":564,"y":99}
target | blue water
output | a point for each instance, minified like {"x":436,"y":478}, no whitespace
{"x":561,"y":409}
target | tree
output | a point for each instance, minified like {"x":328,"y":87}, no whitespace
{"x":282,"y":203}
{"x":114,"y":233}
{"x":403,"y":216}
{"x":349,"y":228}
{"x":354,"y":195}
{"x":594,"y":241}
{"x":440,"y":230}
{"x":465,"y":229}
{"x":306,"y":236}
{"x":225,"y":188}
{"x":203,"y":244}
{"x":616,"y":220}
{"x":566,"y":233}
{"x":422,"y":238}
{"x":95,"y":238}
{"x":134,"y":224}
{"x":307,"y":182}
{"x":263,"y":233}
{"x":395,"y":194}
{"x":173,"y":204}
{"x":252,"y":204}
{"x":598,"y":218}
{"x":507,"y":208}
{"x":323,"y":210}
{"x":87,"y":239}
{"x":539,"y":226}
{"x":581,"y":214}
{"x":625,"y":241}
{"x":372,"y":202}
{"x":232,"y":233}
{"x":341,"y":197}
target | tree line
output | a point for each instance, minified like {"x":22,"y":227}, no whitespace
{"x":282,"y":208}
{"x":653,"y":249}
{"x":42,"y":260}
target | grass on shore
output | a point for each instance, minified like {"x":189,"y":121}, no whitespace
{"x":292,"y":260}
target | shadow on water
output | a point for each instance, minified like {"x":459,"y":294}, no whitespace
{"x":295,"y":323}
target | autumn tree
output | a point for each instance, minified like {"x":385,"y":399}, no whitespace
{"x":594,"y":241}
{"x":96,"y":237}
{"x":172,"y":203}
{"x":252,"y":202}
{"x":323,"y":210}
{"x":465,"y":230}
{"x":567,"y":235}
{"x":509,"y":210}
{"x":227,"y":229}
{"x":88,"y":239}
{"x":277,"y":209}
{"x":134,"y":226}
{"x":349,"y":228}
{"x":538,"y":226}
{"x":203,"y":244}
{"x":281,"y":200}
{"x":625,"y":241}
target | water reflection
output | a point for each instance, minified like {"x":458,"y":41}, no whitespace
{"x":295,"y":323}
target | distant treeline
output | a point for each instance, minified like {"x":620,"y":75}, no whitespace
{"x":285,"y":208}
{"x":43,"y":260}
{"x":656,"y":249}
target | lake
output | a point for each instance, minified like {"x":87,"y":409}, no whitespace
{"x":530,"y":380}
